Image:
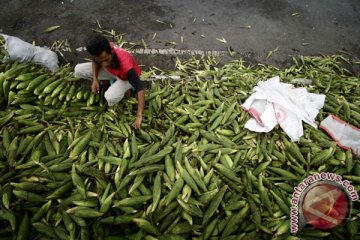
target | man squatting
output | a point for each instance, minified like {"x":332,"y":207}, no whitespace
{"x":109,"y":62}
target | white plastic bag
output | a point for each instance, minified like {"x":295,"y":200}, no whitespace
{"x":345,"y":135}
{"x":21,"y":51}
{"x":275,"y":103}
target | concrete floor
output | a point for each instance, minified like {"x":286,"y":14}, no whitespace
{"x":251,"y":28}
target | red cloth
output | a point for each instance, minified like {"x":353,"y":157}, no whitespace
{"x":127,"y":62}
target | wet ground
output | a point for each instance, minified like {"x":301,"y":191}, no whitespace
{"x":251,"y":28}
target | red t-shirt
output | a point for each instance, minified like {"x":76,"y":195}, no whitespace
{"x":127,"y":62}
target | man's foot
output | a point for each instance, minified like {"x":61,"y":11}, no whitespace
{"x":104,"y":83}
{"x":147,"y":84}
{"x":128,"y":93}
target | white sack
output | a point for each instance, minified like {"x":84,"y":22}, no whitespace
{"x":21,"y":51}
{"x":345,"y":135}
{"x":275,"y":103}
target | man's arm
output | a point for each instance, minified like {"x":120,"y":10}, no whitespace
{"x":141,"y":105}
{"x":95,"y":81}
{"x":139,"y":88}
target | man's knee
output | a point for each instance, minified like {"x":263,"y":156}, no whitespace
{"x":82,"y":71}
{"x":77,"y":70}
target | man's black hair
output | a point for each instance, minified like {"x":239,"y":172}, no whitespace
{"x":97,"y":44}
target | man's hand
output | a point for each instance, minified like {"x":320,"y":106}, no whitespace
{"x":95,"y":86}
{"x":141,"y":104}
{"x":137,"y":122}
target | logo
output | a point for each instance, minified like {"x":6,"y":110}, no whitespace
{"x":323,"y":201}
{"x":324,"y":205}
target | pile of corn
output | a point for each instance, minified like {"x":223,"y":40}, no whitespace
{"x":73,"y":168}
{"x":3,"y":52}
{"x":22,"y":83}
